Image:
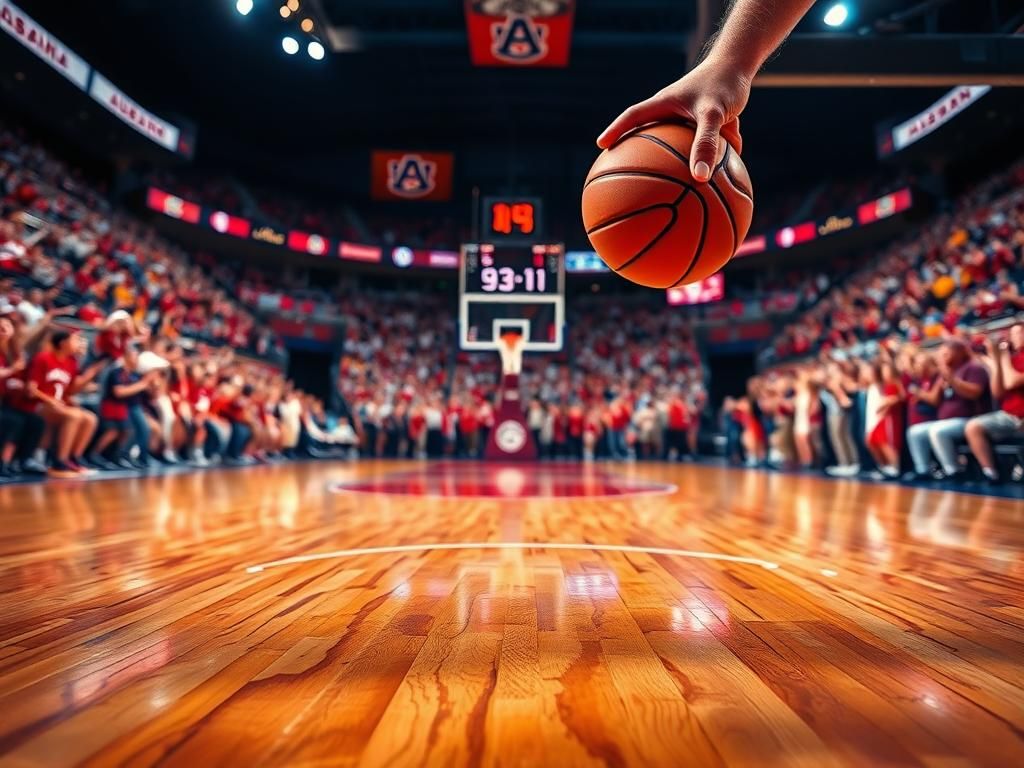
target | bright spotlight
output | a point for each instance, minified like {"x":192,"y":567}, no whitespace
{"x":243,"y":7}
{"x":837,"y":15}
{"x":293,"y":5}
{"x":285,"y":11}
{"x":307,"y":25}
{"x":315,"y":49}
{"x":290,"y":45}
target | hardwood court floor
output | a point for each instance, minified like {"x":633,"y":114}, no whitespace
{"x":144,"y":622}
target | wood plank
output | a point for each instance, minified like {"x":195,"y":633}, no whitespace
{"x":135,"y":631}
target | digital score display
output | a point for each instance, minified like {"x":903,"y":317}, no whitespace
{"x":515,"y":218}
{"x":505,"y":270}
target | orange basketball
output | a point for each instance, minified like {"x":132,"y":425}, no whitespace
{"x":651,"y":222}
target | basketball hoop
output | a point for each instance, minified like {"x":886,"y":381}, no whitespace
{"x":510,"y":347}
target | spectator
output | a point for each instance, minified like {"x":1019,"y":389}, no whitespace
{"x":54,"y":378}
{"x":965,"y":394}
{"x":837,"y":403}
{"x":1005,"y":362}
{"x":884,"y":417}
{"x":123,"y":388}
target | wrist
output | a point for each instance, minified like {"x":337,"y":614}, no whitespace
{"x":728,"y":61}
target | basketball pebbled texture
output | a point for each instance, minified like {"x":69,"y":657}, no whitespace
{"x":651,"y":222}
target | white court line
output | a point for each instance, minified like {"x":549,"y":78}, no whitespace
{"x":341,"y":553}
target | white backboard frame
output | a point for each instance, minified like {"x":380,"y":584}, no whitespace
{"x":466,"y":299}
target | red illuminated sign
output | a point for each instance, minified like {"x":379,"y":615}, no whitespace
{"x":357,"y":252}
{"x":509,"y":218}
{"x":752,"y":245}
{"x":227,"y":224}
{"x":173,"y":206}
{"x":709,"y":289}
{"x":884,"y":207}
{"x":787,"y":237}
{"x":315,"y":245}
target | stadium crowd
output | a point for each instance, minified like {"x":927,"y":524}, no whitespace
{"x":629,"y":384}
{"x":117,"y":351}
{"x":914,"y":362}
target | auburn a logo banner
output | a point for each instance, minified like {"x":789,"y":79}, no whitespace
{"x":519,"y":33}
{"x":400,"y":175}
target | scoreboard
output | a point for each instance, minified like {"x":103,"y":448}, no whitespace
{"x":498,"y":269}
{"x":511,"y":287}
{"x":512,"y":219}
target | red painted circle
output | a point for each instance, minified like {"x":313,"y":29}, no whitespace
{"x":509,"y":481}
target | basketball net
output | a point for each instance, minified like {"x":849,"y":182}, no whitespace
{"x":510,"y":347}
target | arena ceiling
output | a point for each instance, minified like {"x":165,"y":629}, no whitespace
{"x":403,"y":78}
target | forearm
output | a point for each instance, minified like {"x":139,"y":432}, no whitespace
{"x":1011,"y":378}
{"x":35,"y":393}
{"x":84,"y":380}
{"x":127,"y":390}
{"x":932,"y":396}
{"x":965,"y":389}
{"x":995,"y":376}
{"x":753,"y":30}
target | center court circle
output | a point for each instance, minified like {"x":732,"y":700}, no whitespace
{"x":505,"y":481}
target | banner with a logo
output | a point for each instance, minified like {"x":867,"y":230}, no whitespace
{"x":26,"y":31}
{"x":519,"y":33}
{"x":703,"y":291}
{"x":885,"y":206}
{"x":173,"y":206}
{"x":123,"y":107}
{"x":397,"y":175}
{"x":304,"y":242}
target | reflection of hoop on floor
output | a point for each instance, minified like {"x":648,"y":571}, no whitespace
{"x":510,"y":438}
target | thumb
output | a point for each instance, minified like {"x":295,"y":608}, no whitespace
{"x":705,"y":142}
{"x":647,"y":111}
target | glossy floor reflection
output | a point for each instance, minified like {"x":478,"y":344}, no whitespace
{"x":261,"y":617}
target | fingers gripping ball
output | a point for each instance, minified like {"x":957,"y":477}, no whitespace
{"x":651,"y":222}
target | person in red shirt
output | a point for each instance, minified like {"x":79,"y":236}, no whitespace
{"x":53,"y":377}
{"x":113,"y":339}
{"x":677,"y":426}
{"x":1005,"y":362}
{"x":469,"y":428}
{"x":618,"y":417}
{"x":573,"y":429}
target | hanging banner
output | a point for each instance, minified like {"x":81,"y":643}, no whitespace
{"x":930,"y":119}
{"x":26,"y":31}
{"x":519,"y":33}
{"x":396,"y":175}
{"x":122,"y":106}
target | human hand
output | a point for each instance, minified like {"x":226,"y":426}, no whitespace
{"x":712,"y":95}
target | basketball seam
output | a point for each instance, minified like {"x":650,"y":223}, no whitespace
{"x":700,"y":243}
{"x":647,"y":174}
{"x":623,"y":216}
{"x":728,"y":212}
{"x":718,"y":192}
{"x":671,"y":223}
{"x":738,"y":187}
